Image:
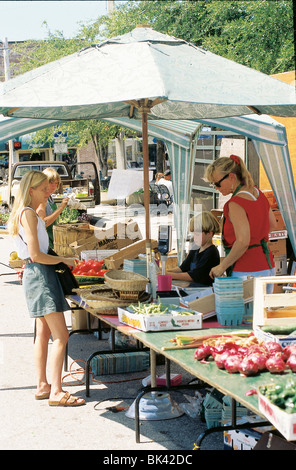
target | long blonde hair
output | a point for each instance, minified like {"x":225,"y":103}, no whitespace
{"x":226,"y":165}
{"x":32,"y":179}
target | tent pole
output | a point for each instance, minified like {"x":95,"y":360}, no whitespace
{"x":146,"y":173}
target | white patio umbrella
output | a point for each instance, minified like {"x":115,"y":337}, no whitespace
{"x":144,"y":75}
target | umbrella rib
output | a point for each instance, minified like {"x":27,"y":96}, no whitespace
{"x":255,"y":110}
{"x":11,"y":111}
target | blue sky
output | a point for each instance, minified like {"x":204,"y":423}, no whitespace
{"x":22,"y":20}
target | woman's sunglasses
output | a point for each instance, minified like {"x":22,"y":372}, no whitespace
{"x":218,"y":183}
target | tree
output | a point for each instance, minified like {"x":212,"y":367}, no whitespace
{"x":258,"y":33}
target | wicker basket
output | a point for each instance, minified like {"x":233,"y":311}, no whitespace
{"x":125,"y":281}
{"x":105,"y":300}
{"x":16,"y":263}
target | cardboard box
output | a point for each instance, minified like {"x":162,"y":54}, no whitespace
{"x":96,"y":254}
{"x":116,"y":260}
{"x":244,"y":439}
{"x":206,"y":305}
{"x":113,"y":238}
{"x":79,"y":319}
{"x":278,"y":247}
{"x":161,"y":322}
{"x":282,"y":340}
{"x":279,"y":219}
{"x":284,"y":422}
{"x":268,"y":193}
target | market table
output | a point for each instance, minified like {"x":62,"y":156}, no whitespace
{"x":233,"y":385}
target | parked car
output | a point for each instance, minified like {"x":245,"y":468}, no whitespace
{"x":85,"y":183}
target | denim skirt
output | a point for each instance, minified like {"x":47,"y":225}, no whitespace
{"x":43,"y":291}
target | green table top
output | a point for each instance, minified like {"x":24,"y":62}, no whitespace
{"x":234,"y":385}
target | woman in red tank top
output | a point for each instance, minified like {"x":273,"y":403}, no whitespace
{"x":247,"y":220}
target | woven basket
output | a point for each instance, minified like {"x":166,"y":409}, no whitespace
{"x":16,"y":263}
{"x":102,"y":301}
{"x":125,"y":281}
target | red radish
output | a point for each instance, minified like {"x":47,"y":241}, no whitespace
{"x":259,"y":359}
{"x":256,"y":349}
{"x":275,"y":364}
{"x":288,"y":350}
{"x":202,"y":352}
{"x":291,"y":362}
{"x":248,"y":367}
{"x":221,"y":358}
{"x":243,"y":350}
{"x":273,"y":347}
{"x":232,"y":363}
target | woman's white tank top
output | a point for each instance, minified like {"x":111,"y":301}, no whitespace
{"x":21,"y":243}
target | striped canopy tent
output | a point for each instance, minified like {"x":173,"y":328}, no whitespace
{"x":269,"y":138}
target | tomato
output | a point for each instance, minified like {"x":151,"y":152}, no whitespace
{"x":91,"y":272}
{"x":97,"y":265}
{"x":79,"y":264}
{"x":78,"y":273}
{"x":102,"y":272}
{"x":84,"y":268}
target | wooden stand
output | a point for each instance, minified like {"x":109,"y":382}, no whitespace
{"x":273,"y":309}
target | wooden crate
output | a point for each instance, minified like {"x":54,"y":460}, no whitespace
{"x":273,"y":309}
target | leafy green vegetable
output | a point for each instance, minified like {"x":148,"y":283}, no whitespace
{"x":69,"y":216}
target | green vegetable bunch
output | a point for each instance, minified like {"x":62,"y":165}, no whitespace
{"x":158,"y":309}
{"x":69,"y":216}
{"x":282,"y":395}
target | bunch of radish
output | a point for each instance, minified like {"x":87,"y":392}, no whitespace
{"x":248,"y":358}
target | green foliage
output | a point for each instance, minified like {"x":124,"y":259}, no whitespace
{"x":258,"y":34}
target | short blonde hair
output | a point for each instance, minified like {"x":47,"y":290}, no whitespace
{"x":204,"y":222}
{"x":226,"y":165}
{"x":52,"y":175}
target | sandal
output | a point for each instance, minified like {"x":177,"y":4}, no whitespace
{"x":67,"y":400}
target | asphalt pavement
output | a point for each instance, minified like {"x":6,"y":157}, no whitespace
{"x":28,"y":424}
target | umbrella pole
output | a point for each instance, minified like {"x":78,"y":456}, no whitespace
{"x":146,"y":173}
{"x":146,"y":185}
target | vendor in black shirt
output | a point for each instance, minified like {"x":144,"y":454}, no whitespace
{"x":203,"y":255}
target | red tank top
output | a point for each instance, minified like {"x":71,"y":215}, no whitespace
{"x":254,"y":259}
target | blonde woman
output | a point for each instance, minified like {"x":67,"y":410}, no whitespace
{"x":49,"y":211}
{"x":44,"y":294}
{"x":201,"y":259}
{"x":247,"y":220}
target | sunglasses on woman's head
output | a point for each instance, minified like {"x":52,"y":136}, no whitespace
{"x":217,"y":184}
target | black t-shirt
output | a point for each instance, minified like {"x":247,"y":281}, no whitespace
{"x":198,"y":265}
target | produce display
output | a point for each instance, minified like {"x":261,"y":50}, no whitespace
{"x":247,"y":356}
{"x":68,"y":216}
{"x":281,"y":395}
{"x":90,"y":268}
{"x":14,"y":256}
{"x":4,"y":216}
{"x":158,"y":309}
